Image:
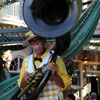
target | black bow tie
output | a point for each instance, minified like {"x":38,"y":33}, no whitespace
{"x":39,"y":59}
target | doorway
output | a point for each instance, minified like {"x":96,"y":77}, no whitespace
{"x":94,"y":84}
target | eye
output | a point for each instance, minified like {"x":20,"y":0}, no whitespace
{"x":31,"y":41}
{"x":38,"y":41}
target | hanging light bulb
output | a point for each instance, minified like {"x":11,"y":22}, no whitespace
{"x":97,"y":79}
{"x":85,"y":58}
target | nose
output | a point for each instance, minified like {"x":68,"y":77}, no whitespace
{"x":35,"y":42}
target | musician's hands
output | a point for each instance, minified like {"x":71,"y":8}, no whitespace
{"x":52,"y":67}
{"x":54,"y":76}
{"x":24,"y":79}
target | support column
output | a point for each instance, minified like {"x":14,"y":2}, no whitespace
{"x":99,"y":86}
{"x":85,"y":85}
{"x":81,"y":79}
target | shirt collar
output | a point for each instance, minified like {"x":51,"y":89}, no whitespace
{"x":43,"y":56}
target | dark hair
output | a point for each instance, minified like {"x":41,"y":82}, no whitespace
{"x":72,"y":96}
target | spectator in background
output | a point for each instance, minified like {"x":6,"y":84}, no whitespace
{"x":70,"y":97}
{"x":93,"y":96}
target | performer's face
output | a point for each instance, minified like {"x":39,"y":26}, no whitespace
{"x":38,"y":45}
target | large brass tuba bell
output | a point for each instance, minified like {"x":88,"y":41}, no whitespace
{"x":51,"y":18}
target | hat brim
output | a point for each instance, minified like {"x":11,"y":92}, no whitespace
{"x":38,"y":26}
{"x":26,"y":42}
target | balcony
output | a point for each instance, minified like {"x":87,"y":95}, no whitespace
{"x":11,"y":14}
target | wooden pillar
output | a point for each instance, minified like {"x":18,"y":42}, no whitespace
{"x":81,"y":79}
{"x":99,"y":86}
{"x":84,"y":82}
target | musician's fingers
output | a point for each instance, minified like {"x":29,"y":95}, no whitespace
{"x":23,"y":84}
{"x":52,"y":67}
{"x":54,"y":70}
{"x":26,"y":76}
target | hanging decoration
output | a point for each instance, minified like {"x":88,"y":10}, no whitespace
{"x":70,"y":66}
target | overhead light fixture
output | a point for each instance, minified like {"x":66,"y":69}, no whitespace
{"x":94,"y":41}
{"x":85,"y":58}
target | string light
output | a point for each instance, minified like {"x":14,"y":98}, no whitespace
{"x":97,"y":79}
